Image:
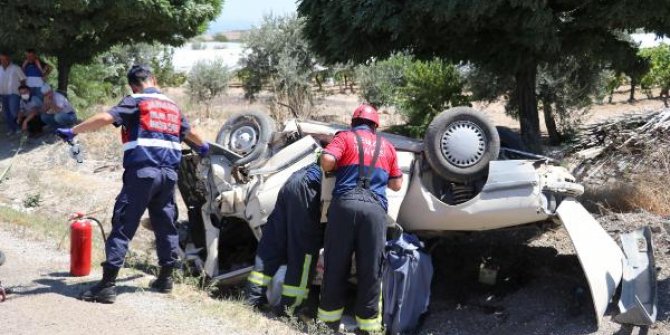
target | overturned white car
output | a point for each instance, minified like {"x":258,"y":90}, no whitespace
{"x":466,"y":175}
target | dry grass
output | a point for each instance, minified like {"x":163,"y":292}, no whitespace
{"x":652,"y":193}
{"x":647,"y":191}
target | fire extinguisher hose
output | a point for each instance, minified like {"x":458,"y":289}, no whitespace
{"x":102,"y":230}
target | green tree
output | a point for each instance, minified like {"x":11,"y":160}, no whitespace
{"x":659,"y":73}
{"x":344,"y":75}
{"x":279,"y":59}
{"x":431,"y":87}
{"x":207,"y":80}
{"x":507,"y":37}
{"x":566,"y":91}
{"x":75,"y":31}
{"x":158,"y":56}
{"x":380,"y":81}
{"x":418,"y":89}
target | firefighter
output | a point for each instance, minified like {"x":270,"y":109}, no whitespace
{"x":293,"y":235}
{"x":364,"y":164}
{"x":152,"y":128}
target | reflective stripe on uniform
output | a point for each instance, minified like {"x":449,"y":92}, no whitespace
{"x":299,"y":293}
{"x":374,"y":324}
{"x":158,"y":96}
{"x":258,"y":278}
{"x":151,"y":142}
{"x":370,"y":325}
{"x":330,"y":316}
{"x":293,"y":291}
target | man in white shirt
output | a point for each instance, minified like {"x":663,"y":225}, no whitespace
{"x":11,"y":77}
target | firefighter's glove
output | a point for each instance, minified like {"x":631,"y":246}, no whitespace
{"x":66,"y":134}
{"x":203,"y":150}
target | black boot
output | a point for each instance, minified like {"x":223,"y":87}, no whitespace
{"x":163,"y":283}
{"x":105,"y":290}
{"x":255,"y":295}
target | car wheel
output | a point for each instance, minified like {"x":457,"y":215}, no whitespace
{"x":459,"y":144}
{"x":247,"y":134}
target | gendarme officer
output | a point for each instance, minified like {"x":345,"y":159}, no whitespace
{"x":152,"y":129}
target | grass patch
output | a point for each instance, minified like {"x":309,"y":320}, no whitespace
{"x":44,"y":227}
{"x":647,"y":191}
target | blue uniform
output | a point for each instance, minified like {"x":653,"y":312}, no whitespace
{"x":152,"y":130}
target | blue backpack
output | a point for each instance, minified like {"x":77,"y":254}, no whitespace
{"x":407,"y":275}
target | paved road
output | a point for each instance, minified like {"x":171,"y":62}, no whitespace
{"x":43,"y":301}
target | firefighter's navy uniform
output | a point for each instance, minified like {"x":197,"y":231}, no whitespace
{"x":357,"y":224}
{"x":293,"y":235}
{"x":152,"y":130}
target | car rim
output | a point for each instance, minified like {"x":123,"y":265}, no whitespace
{"x":463,"y":143}
{"x":243,"y":140}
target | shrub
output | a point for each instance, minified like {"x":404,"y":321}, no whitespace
{"x":92,"y":84}
{"x":279,"y":59}
{"x":380,"y":81}
{"x":221,"y":37}
{"x":207,"y":80}
{"x":430,"y":88}
{"x":659,"y":73}
{"x":418,"y":89}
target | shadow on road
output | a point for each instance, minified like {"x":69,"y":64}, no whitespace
{"x":56,"y":284}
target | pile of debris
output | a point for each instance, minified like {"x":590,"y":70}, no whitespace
{"x":624,"y":147}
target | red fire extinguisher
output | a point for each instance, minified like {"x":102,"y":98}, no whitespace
{"x":81,"y":242}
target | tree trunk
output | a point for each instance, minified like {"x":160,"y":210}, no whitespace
{"x":528,"y":116}
{"x":550,"y":123}
{"x":318,"y":82}
{"x":633,"y":83}
{"x":64,"y":67}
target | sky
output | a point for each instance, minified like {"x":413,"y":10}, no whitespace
{"x":243,"y":14}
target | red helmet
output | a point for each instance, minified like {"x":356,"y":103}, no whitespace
{"x":366,"y":112}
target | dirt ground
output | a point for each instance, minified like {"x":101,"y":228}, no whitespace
{"x":542,"y":290}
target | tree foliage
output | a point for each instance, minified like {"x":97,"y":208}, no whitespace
{"x":380,"y":81}
{"x":279,"y":59}
{"x":659,"y":73}
{"x":104,"y":77}
{"x":566,"y":90}
{"x":431,"y":87}
{"x":75,"y":31}
{"x":507,"y":37}
{"x":418,"y":89}
{"x":207,"y":80}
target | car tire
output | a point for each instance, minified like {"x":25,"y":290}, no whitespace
{"x":459,"y":144}
{"x":247,"y":134}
